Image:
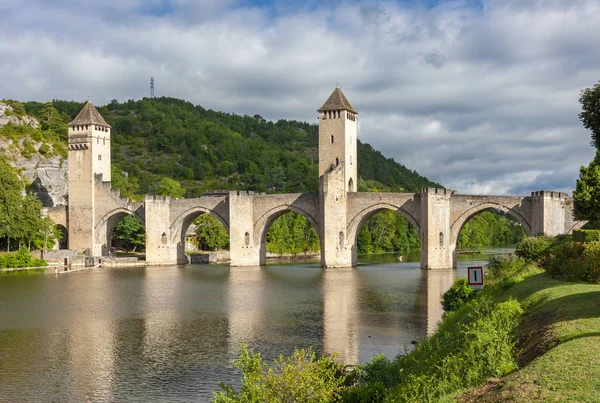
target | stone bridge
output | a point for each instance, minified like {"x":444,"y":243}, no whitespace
{"x":438,"y":215}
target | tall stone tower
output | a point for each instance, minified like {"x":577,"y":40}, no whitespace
{"x":337,"y":138}
{"x":89,"y":160}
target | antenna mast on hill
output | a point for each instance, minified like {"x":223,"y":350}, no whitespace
{"x":151,"y":87}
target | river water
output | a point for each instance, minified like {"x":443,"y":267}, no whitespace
{"x":170,"y":333}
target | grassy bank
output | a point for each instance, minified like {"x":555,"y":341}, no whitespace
{"x":558,"y":347}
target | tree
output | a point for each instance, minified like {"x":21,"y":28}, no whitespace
{"x":210,"y":233}
{"x":170,"y":187}
{"x":586,"y":196}
{"x":590,"y":112}
{"x":130,"y":234}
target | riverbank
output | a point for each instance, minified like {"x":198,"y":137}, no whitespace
{"x":557,"y":342}
{"x":529,"y":338}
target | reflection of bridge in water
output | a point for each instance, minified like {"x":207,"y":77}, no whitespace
{"x":337,"y":211}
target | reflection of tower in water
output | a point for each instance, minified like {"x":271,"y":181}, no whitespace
{"x":433,"y":284}
{"x":340,"y":316}
{"x":245,"y":303}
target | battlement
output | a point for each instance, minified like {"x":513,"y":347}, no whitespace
{"x":158,"y":198}
{"x":438,"y":191}
{"x":242,"y":193}
{"x":550,"y":194}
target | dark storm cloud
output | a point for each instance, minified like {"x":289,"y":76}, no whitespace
{"x":481,"y":99}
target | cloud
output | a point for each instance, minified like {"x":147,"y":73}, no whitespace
{"x":481,"y":97}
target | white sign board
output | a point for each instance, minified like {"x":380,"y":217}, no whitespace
{"x":476,"y":277}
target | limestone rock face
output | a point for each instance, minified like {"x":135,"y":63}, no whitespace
{"x":6,"y":117}
{"x":47,"y":175}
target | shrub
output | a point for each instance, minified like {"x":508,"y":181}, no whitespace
{"x":586,"y":235}
{"x":533,"y":248}
{"x":575,"y":261}
{"x":298,"y":378}
{"x":458,"y":295}
{"x":22,"y":258}
{"x":504,"y":267}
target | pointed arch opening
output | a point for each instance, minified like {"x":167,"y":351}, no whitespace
{"x":199,"y":231}
{"x":385,"y":233}
{"x":487,"y":226}
{"x":289,"y":234}
{"x":350,"y":185}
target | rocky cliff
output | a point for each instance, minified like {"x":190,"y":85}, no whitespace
{"x":32,"y":156}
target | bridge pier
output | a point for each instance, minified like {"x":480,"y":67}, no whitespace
{"x":437,"y":248}
{"x":244,"y":244}
{"x":160,"y":246}
{"x":336,"y":247}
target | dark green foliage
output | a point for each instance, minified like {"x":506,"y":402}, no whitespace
{"x":292,"y":233}
{"x":210,"y":233}
{"x":129,"y":234}
{"x":374,"y":393}
{"x":532,"y":248}
{"x":491,"y":227}
{"x":590,"y":112}
{"x":457,"y":295}
{"x":586,"y":235}
{"x":586,"y":196}
{"x":21,"y":258}
{"x":206,"y":150}
{"x":387,"y":231}
{"x":574,"y":261}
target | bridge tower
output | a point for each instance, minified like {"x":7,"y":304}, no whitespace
{"x":338,"y":138}
{"x":338,"y":177}
{"x":88,"y":162}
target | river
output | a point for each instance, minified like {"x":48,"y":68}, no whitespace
{"x":169,"y":333}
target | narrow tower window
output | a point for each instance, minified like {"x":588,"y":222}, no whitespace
{"x":350,"y":185}
{"x":99,"y":157}
{"x":332,"y":139}
{"x":247,"y":238}
{"x":337,"y":162}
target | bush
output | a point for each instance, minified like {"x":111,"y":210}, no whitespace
{"x":458,"y":295}
{"x":22,"y":258}
{"x":505,"y":267}
{"x":533,"y":248}
{"x":575,"y":261}
{"x":586,"y":235}
{"x":298,"y":378}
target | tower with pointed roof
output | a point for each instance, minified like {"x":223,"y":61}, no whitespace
{"x":89,"y":161}
{"x":338,"y":137}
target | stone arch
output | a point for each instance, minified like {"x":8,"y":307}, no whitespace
{"x":262,"y":225}
{"x":64,"y":242}
{"x":106,"y":225}
{"x":180,"y":225}
{"x":364,"y":215}
{"x":459,"y":223}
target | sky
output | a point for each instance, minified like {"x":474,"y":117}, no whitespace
{"x":478,"y":95}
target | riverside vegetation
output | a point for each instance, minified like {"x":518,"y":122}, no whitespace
{"x":531,"y":335}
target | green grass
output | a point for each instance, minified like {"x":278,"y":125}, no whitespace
{"x":559,"y":343}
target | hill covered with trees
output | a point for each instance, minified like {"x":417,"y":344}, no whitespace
{"x":206,"y":150}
